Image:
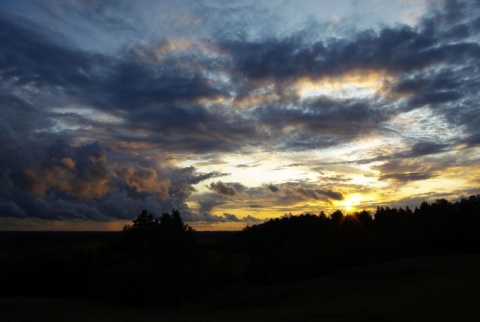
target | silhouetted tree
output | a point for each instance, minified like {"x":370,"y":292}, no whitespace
{"x":156,"y":259}
{"x":144,"y":222}
{"x":296,"y":247}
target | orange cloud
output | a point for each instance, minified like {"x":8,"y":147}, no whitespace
{"x":145,"y":180}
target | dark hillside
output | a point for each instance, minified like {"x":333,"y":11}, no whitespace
{"x":162,"y":262}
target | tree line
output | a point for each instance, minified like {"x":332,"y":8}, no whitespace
{"x":309,"y":245}
{"x":164,"y":261}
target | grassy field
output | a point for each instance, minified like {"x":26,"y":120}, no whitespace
{"x":428,"y":289}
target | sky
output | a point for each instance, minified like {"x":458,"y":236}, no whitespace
{"x":233,"y":112}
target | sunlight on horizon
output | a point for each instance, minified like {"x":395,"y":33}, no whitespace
{"x":351,"y":202}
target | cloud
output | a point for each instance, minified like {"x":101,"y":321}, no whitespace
{"x":289,"y":194}
{"x":309,"y":192}
{"x":208,"y":201}
{"x":31,"y":55}
{"x":246,"y":219}
{"x":195,"y":179}
{"x":410,"y":169}
{"x":427,"y":148}
{"x":400,"y":49}
{"x":102,"y":134}
{"x":251,"y":219}
{"x":405,"y":177}
{"x":320,"y":123}
{"x":262,"y":197}
{"x":139,"y":84}
{"x":11,"y":208}
{"x":64,"y":181}
{"x":78,"y":172}
{"x":223,"y":188}
{"x":165,"y":99}
{"x":145,"y":180}
{"x":231,"y":217}
{"x":207,"y":217}
{"x":272,"y":188}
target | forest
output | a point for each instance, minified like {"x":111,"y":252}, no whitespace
{"x":163,"y":262}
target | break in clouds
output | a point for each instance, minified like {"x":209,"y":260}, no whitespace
{"x":100,"y":129}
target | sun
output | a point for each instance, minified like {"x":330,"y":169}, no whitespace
{"x":351,"y":202}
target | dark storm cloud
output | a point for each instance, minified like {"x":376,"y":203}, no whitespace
{"x":172,"y":102}
{"x":62,"y":181}
{"x":427,"y":148}
{"x":444,"y":79}
{"x":435,"y":97}
{"x":193,"y":128}
{"x":226,"y":217}
{"x":145,"y":180}
{"x":405,"y":177}
{"x":438,"y":52}
{"x":291,"y":193}
{"x":32,"y":57}
{"x":398,"y":50}
{"x":207,"y":203}
{"x":420,"y":167}
{"x":321,"y":122}
{"x":473,"y":140}
{"x":19,"y":118}
{"x":285,"y":194}
{"x":136,"y":84}
{"x":164,"y":189}
{"x":75,"y":171}
{"x":272,"y":188}
{"x":11,"y":208}
{"x":460,"y":31}
{"x":231,"y":217}
{"x":223,"y":188}
{"x":476,"y":25}
{"x":247,"y":219}
{"x":194,"y":178}
{"x":162,"y":97}
{"x":22,"y":203}
{"x":331,"y":194}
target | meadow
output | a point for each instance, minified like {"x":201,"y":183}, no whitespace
{"x":442,"y":288}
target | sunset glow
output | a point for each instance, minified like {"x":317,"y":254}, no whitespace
{"x":233,"y":113}
{"x":354,"y":84}
{"x":351,"y":202}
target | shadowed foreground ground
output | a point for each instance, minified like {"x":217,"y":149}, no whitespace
{"x":427,"y":289}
